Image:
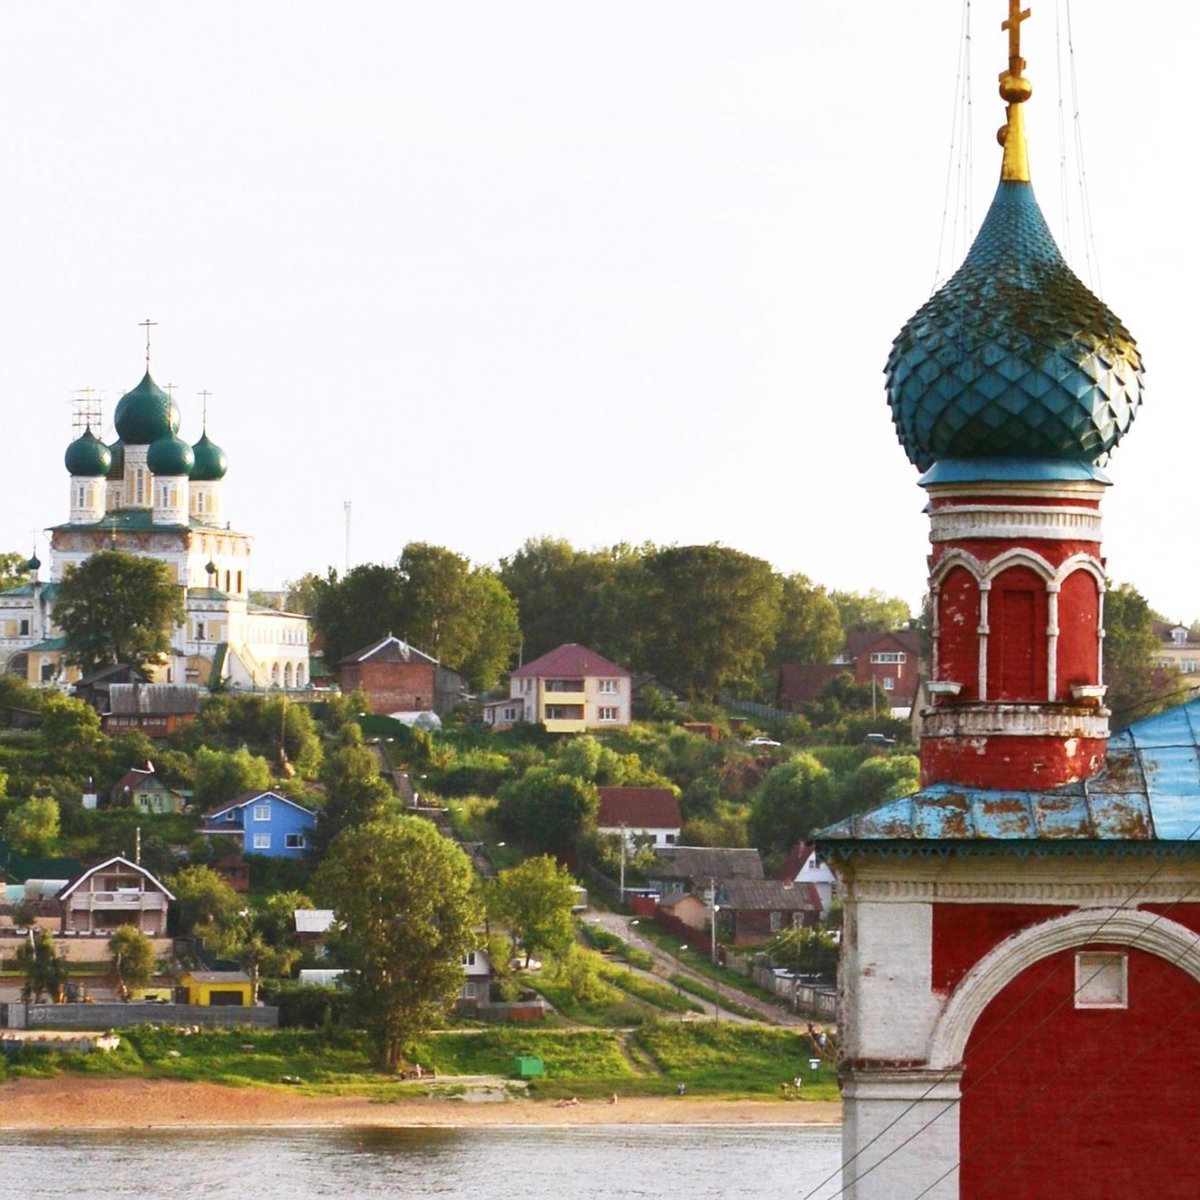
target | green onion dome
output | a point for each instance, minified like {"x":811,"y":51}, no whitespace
{"x":33,"y":564}
{"x":116,"y":472}
{"x":87,"y":456}
{"x":211,"y":462}
{"x":170,"y":455}
{"x":1013,"y":357}
{"x":146,"y":414}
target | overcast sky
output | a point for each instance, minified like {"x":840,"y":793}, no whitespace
{"x":617,"y":271}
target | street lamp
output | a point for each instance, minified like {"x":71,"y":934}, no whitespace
{"x":716,"y":908}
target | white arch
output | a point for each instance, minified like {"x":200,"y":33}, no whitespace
{"x":1099,"y":926}
{"x":1019,"y":556}
{"x":1082,"y":562}
{"x":957,"y":558}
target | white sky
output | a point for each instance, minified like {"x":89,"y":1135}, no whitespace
{"x":611,"y":271}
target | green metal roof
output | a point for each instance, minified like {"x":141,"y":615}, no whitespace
{"x":87,"y":456}
{"x":58,"y":643}
{"x":1014,"y":357}
{"x":210,"y":460}
{"x":170,"y":455}
{"x":145,"y":414}
{"x":142,"y":520}
{"x":48,"y":590}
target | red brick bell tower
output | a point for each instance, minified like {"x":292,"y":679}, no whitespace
{"x":1017,"y":587}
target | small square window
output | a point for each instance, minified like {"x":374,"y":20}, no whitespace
{"x":262,"y":812}
{"x":262,"y":841}
{"x":294,"y":841}
{"x":1101,"y":980}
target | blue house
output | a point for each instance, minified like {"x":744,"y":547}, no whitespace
{"x":263,"y":823}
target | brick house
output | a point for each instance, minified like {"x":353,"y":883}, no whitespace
{"x":398,"y":677}
{"x":645,"y":815}
{"x":892,"y":660}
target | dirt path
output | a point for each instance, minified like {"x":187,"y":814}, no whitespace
{"x":667,"y":965}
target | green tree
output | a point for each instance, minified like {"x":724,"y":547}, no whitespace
{"x":132,"y":954}
{"x":594,"y":597}
{"x":872,"y":612}
{"x":222,"y":775}
{"x":535,"y":900}
{"x":358,"y":609}
{"x":712,"y":615}
{"x":204,"y":903}
{"x":810,"y":629}
{"x":548,"y":812}
{"x":14,"y":569}
{"x":67,"y":722}
{"x":45,"y":971}
{"x":300,"y":595}
{"x":33,"y":826}
{"x":794,"y":798}
{"x":1135,"y":688}
{"x":876,"y":780}
{"x":118,"y":608}
{"x":403,"y":895}
{"x":355,"y":793}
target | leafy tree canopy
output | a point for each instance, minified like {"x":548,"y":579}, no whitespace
{"x":1135,"y":688}
{"x":132,"y":954}
{"x":204,"y":902}
{"x":711,"y":618}
{"x":404,"y":897}
{"x":795,"y":798}
{"x":872,"y":612}
{"x":33,"y":826}
{"x":13,"y":571}
{"x":810,"y":626}
{"x":223,"y":775}
{"x":535,"y":900}
{"x":548,"y":812}
{"x":118,"y":608}
{"x":434,"y":599}
{"x":355,"y":792}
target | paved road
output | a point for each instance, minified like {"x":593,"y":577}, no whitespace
{"x":666,"y":965}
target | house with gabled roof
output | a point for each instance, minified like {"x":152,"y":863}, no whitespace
{"x":572,"y":689}
{"x":112,"y":893}
{"x":752,"y":911}
{"x":142,"y":789}
{"x":642,"y":815}
{"x":397,"y":677}
{"x":263,"y":823}
{"x":678,"y":869}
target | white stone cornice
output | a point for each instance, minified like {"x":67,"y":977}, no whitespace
{"x":956,"y":522}
{"x":1012,"y":720}
{"x":1108,"y":893}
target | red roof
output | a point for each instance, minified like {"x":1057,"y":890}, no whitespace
{"x":638,"y":808}
{"x":571,"y":661}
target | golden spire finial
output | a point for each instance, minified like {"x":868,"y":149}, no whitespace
{"x":1015,"y":89}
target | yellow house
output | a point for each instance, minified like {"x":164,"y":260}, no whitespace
{"x":213,"y":988}
{"x":570,"y":690}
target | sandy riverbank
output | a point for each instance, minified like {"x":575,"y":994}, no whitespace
{"x":68,"y":1102}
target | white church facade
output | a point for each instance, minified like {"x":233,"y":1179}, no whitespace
{"x":152,"y":494}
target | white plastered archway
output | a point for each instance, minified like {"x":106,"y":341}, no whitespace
{"x":1154,"y":934}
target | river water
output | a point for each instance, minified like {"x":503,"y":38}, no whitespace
{"x":696,"y":1162}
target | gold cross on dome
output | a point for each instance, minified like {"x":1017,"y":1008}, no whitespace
{"x":1016,"y":14}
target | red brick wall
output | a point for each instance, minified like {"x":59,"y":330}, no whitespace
{"x":1059,"y":1101}
{"x":391,"y":687}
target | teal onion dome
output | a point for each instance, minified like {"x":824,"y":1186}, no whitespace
{"x":87,"y":456}
{"x":170,"y":455}
{"x":33,"y":564}
{"x":211,"y":462}
{"x":146,"y":414}
{"x":116,"y":472}
{"x":1013,"y":357}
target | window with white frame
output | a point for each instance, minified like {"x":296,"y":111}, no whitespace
{"x":262,"y":812}
{"x":607,"y":713}
{"x":1101,"y":979}
{"x":889,"y":656}
{"x":889,"y":683}
{"x":608,"y":687}
{"x":262,"y":841}
{"x":776,"y":922}
{"x":294,"y":841}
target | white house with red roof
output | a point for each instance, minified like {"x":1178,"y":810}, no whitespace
{"x":643,"y":815}
{"x":572,"y":689}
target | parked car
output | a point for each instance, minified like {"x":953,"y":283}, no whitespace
{"x":878,"y":739}
{"x":762,"y":741}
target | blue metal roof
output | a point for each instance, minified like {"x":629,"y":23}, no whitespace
{"x":1149,"y":791}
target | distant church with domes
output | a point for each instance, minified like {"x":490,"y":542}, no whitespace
{"x":152,"y":494}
